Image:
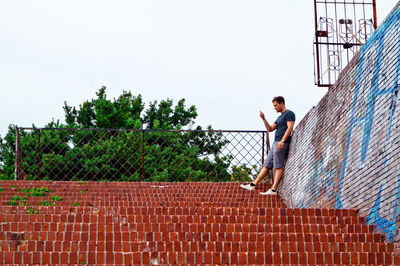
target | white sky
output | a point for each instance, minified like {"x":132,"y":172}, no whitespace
{"x":229,"y":58}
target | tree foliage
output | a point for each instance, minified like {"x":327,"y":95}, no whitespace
{"x":141,"y":149}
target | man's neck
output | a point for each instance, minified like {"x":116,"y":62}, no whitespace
{"x":283,"y":110}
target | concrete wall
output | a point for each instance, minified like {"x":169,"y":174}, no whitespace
{"x":346,"y":152}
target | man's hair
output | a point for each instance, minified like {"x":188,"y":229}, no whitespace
{"x":278,"y":99}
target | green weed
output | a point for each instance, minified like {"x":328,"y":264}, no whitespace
{"x":32,"y":211}
{"x":56,"y":198}
{"x":46,"y":203}
{"x":17,"y":200}
{"x":35,"y":192}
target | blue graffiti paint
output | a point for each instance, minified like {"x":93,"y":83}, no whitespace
{"x":394,"y":91}
{"x":397,"y":201}
{"x":378,"y":36}
{"x":385,"y":226}
{"x":371,"y":102}
{"x":353,"y":120}
{"x":321,"y":181}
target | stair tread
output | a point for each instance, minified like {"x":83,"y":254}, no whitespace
{"x":193,"y":223}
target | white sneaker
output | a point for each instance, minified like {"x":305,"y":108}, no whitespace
{"x":269,"y":192}
{"x":248,"y":187}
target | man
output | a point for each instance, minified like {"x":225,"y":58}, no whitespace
{"x":277,"y":155}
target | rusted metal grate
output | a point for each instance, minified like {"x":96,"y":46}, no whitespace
{"x":341,"y":28}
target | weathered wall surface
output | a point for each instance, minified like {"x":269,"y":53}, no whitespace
{"x":346,"y":152}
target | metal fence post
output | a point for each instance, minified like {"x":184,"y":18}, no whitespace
{"x":39,"y":156}
{"x":142,"y":155}
{"x":263,"y":148}
{"x":18,"y":157}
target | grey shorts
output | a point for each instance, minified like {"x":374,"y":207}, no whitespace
{"x":276,"y":158}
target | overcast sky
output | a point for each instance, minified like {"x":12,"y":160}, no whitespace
{"x":229,"y":58}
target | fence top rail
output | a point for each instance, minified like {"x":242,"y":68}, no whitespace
{"x":140,"y":130}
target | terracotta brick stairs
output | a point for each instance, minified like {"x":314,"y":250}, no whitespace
{"x":177,"y":223}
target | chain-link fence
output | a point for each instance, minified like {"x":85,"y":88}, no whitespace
{"x":138,"y":155}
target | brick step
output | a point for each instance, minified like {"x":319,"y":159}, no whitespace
{"x":139,"y":194}
{"x":156,"y":201}
{"x":222,"y":223}
{"x":182,"y":227}
{"x":191,"y":236}
{"x":140,"y":191}
{"x":160,"y":204}
{"x":192,"y":246}
{"x":178,"y":223}
{"x":339,"y":258}
{"x":7,"y":221}
{"x":150,"y":203}
{"x":281,"y":212}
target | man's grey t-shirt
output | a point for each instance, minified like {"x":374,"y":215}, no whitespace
{"x":281,"y":123}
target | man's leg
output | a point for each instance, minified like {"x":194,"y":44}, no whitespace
{"x":277,"y":178}
{"x":263,"y":173}
{"x":279,"y":161}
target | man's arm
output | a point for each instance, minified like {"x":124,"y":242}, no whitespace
{"x":269,"y":127}
{"x":290,"y":125}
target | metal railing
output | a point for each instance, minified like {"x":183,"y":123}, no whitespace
{"x":138,"y":155}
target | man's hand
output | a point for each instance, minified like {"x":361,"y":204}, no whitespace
{"x":267,"y":126}
{"x":281,"y":144}
{"x":262,"y":115}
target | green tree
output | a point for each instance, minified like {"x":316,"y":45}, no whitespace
{"x":168,"y":117}
{"x":123,"y":112}
{"x":132,"y":154}
{"x":7,"y":154}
